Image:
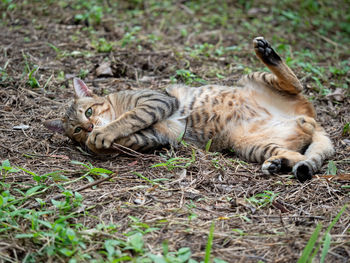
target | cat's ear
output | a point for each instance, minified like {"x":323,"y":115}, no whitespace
{"x":81,"y":90}
{"x":55,"y":125}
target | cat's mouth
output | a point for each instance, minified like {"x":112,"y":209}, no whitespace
{"x":90,"y":127}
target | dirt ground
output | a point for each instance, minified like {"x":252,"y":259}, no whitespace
{"x":182,"y":201}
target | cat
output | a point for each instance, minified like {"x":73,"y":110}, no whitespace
{"x":264,"y":119}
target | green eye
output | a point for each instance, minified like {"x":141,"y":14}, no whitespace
{"x":88,"y":113}
{"x":77,"y":130}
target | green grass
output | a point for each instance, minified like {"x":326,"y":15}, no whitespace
{"x":177,"y":162}
{"x":262,"y":199}
{"x":50,"y":224}
{"x":311,"y":249}
{"x":187,"y":77}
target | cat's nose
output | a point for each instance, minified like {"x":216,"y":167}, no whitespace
{"x":90,"y":128}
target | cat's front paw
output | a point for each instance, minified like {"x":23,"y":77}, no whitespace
{"x":271,"y":166}
{"x":100,"y":138}
{"x":275,"y":164}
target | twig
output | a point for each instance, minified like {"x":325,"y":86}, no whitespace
{"x":326,"y":39}
{"x":126,"y":150}
{"x":41,"y":96}
{"x":96,"y":182}
{"x":288,"y":216}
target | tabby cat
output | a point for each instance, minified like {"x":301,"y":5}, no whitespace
{"x":265,"y":119}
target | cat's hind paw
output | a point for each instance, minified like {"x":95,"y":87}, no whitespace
{"x":265,"y":52}
{"x":302,"y":171}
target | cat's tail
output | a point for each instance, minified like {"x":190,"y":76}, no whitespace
{"x":318,"y":151}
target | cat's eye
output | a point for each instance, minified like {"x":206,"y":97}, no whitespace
{"x":77,"y":130}
{"x":88,"y":113}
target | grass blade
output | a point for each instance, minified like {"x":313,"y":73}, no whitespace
{"x":310,"y":245}
{"x":207,"y":146}
{"x":326,"y":245}
{"x":209,"y":243}
{"x":334,"y":221}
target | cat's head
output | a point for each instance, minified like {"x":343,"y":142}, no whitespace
{"x":86,"y":112}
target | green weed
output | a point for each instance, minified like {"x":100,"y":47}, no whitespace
{"x":6,"y":168}
{"x":3,"y":73}
{"x":32,"y":81}
{"x":102,"y":45}
{"x":209,"y":243}
{"x":60,"y":76}
{"x":181,"y":256}
{"x":152,"y":182}
{"x":55,"y":228}
{"x":9,"y":5}
{"x":331,"y":168}
{"x":89,"y":170}
{"x":177,"y":162}
{"x":262,"y":199}
{"x":208,"y":50}
{"x":311,"y":249}
{"x":130,"y":37}
{"x":83,"y":73}
{"x":192,"y":215}
{"x":346,"y":129}
{"x":92,"y":13}
{"x":208,"y":144}
{"x":240,"y":232}
{"x":187,"y":77}
{"x":59,"y":52}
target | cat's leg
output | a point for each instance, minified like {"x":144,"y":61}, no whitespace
{"x":143,"y":140}
{"x":282,"y":162}
{"x":150,"y":107}
{"x":320,"y":149}
{"x":278,"y":154}
{"x":282,"y":79}
{"x":166,"y":132}
{"x":275,"y":157}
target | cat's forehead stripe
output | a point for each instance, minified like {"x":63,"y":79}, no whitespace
{"x":70,"y":112}
{"x":97,"y":104}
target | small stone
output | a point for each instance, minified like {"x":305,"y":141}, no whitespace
{"x":104,"y":70}
{"x":21,"y":127}
{"x":337,"y":95}
{"x":138,"y":201}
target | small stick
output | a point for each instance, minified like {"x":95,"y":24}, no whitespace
{"x":126,"y":150}
{"x":96,"y":182}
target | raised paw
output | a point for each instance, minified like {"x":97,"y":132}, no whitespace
{"x":302,"y":171}
{"x":265,"y":52}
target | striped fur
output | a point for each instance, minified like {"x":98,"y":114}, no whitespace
{"x":265,"y":119}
